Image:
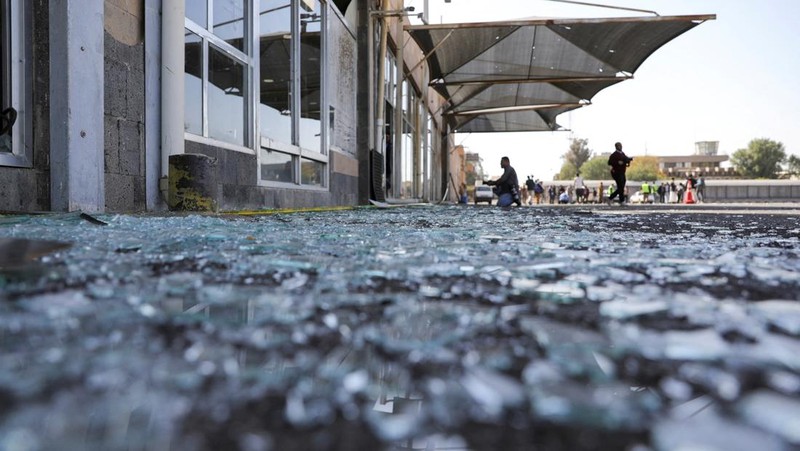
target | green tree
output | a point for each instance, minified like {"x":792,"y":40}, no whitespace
{"x":596,"y":169}
{"x":644,"y":169}
{"x":761,"y":159}
{"x":578,"y":152}
{"x":568,"y":171}
{"x":794,"y":164}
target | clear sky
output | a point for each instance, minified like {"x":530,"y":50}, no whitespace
{"x":729,"y":80}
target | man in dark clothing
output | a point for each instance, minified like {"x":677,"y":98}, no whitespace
{"x":507,"y":186}
{"x":531,"y":185}
{"x":619,"y":162}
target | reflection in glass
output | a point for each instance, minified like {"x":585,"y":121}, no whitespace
{"x":5,"y":54}
{"x":312,"y":172}
{"x":276,"y":166}
{"x":226,"y":106}
{"x":229,"y":22}
{"x":429,"y":155}
{"x":5,"y":67}
{"x":275,"y":113}
{"x":311,"y":77}
{"x":193,"y":84}
{"x":407,"y":164}
{"x":197,"y":12}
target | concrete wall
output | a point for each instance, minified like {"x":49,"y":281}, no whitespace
{"x":343,"y":75}
{"x":724,"y":190}
{"x":239,"y":188}
{"x":124,"y":106}
{"x":753,"y":191}
{"x":28,"y":189}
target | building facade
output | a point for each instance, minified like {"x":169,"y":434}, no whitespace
{"x":280,"y":94}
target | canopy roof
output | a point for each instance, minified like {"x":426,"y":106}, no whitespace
{"x":511,"y":76}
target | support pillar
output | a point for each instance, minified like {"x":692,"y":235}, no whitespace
{"x":152,"y":95}
{"x":172,"y":73}
{"x":77,"y":167}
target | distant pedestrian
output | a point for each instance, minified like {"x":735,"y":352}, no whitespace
{"x":578,"y":185}
{"x":529,"y":185}
{"x":601,"y":192}
{"x":538,"y":192}
{"x":701,"y":188}
{"x":619,"y":163}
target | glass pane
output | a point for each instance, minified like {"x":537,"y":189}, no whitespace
{"x":226,"y":106}
{"x":312,"y":172}
{"x":193,"y":84}
{"x":311,"y":76}
{"x":197,"y":12}
{"x":5,"y":54}
{"x":229,"y":21}
{"x":407,"y":164}
{"x":5,"y":71}
{"x":276,"y":166}
{"x":275,"y":113}
{"x":391,"y":71}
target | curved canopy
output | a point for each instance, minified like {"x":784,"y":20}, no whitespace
{"x":498,"y":71}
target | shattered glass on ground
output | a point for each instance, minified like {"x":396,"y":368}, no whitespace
{"x":410,"y":328}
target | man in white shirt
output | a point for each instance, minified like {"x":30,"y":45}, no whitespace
{"x":579,"y":188}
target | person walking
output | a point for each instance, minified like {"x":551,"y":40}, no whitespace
{"x":578,"y":185}
{"x":701,"y":188}
{"x":619,"y":163}
{"x":601,"y":192}
{"x":538,"y":191}
{"x":507,"y":186}
{"x":529,"y":185}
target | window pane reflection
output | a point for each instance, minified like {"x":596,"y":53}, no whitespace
{"x":5,"y":68}
{"x":276,"y":166}
{"x":407,"y":164}
{"x":193,"y":84}
{"x":275,"y":111}
{"x":226,"y":106}
{"x":311,"y":172}
{"x":229,"y":22}
{"x":197,"y":12}
{"x":311,"y":77}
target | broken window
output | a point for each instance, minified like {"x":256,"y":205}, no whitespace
{"x":14,"y":95}
{"x":217,"y":58}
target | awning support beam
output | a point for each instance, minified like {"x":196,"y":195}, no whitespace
{"x":507,"y":109}
{"x":440,"y":82}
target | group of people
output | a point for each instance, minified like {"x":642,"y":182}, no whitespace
{"x":672,"y":192}
{"x":510,"y":192}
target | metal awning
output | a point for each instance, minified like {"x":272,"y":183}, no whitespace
{"x":499,"y":71}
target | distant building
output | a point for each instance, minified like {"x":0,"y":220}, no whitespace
{"x":705,"y":160}
{"x":707,"y":148}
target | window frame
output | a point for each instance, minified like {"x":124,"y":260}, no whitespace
{"x":208,"y":38}
{"x":298,"y":153}
{"x":17,"y":82}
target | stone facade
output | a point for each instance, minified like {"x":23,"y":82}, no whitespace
{"x":124,"y":106}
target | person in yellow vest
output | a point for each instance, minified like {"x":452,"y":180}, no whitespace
{"x":645,"y":192}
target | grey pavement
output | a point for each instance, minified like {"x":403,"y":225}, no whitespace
{"x":442,"y":327}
